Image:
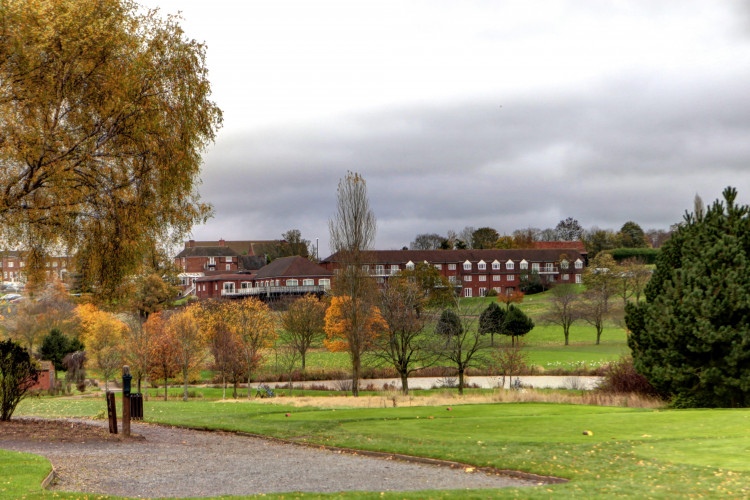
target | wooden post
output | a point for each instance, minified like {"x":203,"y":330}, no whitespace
{"x":126,"y":377}
{"x":111,"y":412}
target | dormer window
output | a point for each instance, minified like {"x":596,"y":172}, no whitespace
{"x":482,"y":265}
{"x":410,"y":265}
{"x":496,"y":266}
{"x":524,"y":265}
{"x":510,"y":265}
{"x":467,"y":266}
{"x":564,"y":264}
{"x":579,"y":264}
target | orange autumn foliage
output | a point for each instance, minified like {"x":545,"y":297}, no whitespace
{"x":338,"y":326}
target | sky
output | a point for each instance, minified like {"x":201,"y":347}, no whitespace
{"x":506,"y":114}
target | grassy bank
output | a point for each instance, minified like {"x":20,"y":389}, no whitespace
{"x":633,"y":452}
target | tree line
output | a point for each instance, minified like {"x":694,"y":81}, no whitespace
{"x":596,"y":240}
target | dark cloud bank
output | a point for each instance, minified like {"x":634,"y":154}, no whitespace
{"x":630,"y":150}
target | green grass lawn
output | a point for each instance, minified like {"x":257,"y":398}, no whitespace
{"x":633,"y":452}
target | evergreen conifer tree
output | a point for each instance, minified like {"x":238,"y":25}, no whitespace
{"x":691,"y":338}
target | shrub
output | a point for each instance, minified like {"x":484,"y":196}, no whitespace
{"x":18,"y":373}
{"x":620,"y":376}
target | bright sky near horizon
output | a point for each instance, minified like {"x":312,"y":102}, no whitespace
{"x":506,"y":114}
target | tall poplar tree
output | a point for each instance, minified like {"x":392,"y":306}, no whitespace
{"x":691,"y":337}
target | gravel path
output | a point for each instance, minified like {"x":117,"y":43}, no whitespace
{"x":173,"y":462}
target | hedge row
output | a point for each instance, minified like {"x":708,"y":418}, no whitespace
{"x":647,"y":255}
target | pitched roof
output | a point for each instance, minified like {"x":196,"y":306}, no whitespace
{"x":216,"y":251}
{"x":577,"y":245}
{"x":251,"y":262}
{"x":456,"y":256}
{"x":242,"y":247}
{"x":292,"y":267}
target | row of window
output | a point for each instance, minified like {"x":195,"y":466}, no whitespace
{"x":482,"y":266}
{"x":230,"y":286}
{"x":509,"y":277}
{"x":10,"y":264}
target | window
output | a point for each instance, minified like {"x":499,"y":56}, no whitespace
{"x":509,"y":265}
{"x":535,"y":267}
{"x":278,"y":282}
{"x":451,"y":267}
{"x":336,"y":271}
{"x":216,"y":287}
{"x":467,"y":292}
{"x":467,"y":278}
{"x":452,"y":279}
{"x":227,"y":259}
{"x":482,"y":265}
{"x":483,"y":278}
{"x":394,"y":268}
{"x":308,"y":282}
{"x":379,"y":269}
{"x":380,"y":281}
{"x":467,"y":266}
{"x":482,"y":292}
{"x":10,"y":264}
{"x":579,"y":265}
{"x":54,"y":264}
{"x":524,"y":265}
{"x":366,"y":268}
{"x":578,"y":278}
{"x":324,"y":282}
{"x":439,"y":267}
{"x":564,"y":264}
{"x":496,"y":266}
{"x":245,"y":285}
{"x":410,"y":265}
{"x":292,"y":282}
{"x":497,"y":289}
{"x":497,"y":277}
{"x":228,"y":287}
{"x":566,"y":277}
{"x":228,"y":267}
{"x":508,"y":277}
{"x":212,"y":261}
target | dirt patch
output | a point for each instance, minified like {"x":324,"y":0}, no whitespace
{"x":29,"y":429}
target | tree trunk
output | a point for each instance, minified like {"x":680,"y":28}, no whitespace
{"x":355,"y":375}
{"x":405,"y":384}
{"x":224,"y":383}
{"x":139,"y":385}
{"x":165,"y":387}
{"x":567,"y":334}
{"x":303,"y":360}
{"x":234,"y":394}
{"x":460,"y":380}
{"x":492,"y":339}
{"x":249,"y":392}
{"x":185,"y":374}
{"x":598,"y":334}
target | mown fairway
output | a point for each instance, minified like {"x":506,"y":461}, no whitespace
{"x":633,"y":452}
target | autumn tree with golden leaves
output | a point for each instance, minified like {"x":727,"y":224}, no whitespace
{"x":103,"y":336}
{"x":106,"y":111}
{"x":304,"y":324}
{"x":163,"y":355}
{"x":253,"y":323}
{"x":190,"y":341}
{"x":353,"y":326}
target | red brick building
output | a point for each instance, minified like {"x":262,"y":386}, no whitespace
{"x":196,"y":261}
{"x":13,"y":267}
{"x":285,"y":276}
{"x":478,"y":271}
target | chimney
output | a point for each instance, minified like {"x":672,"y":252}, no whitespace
{"x":222,"y":243}
{"x":190,"y":244}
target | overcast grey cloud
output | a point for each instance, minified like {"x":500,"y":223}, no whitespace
{"x":473,"y":113}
